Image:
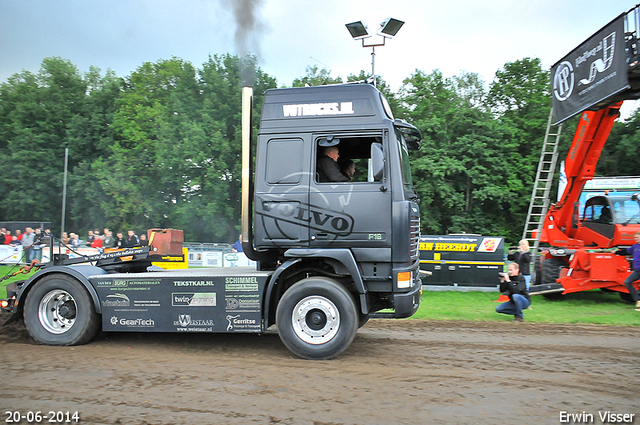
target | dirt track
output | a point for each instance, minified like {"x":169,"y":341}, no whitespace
{"x":396,"y":372}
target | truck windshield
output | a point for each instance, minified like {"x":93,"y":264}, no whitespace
{"x":406,"y":167}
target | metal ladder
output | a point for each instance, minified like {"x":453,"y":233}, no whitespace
{"x":541,"y":189}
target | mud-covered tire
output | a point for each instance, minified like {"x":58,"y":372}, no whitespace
{"x":317,"y":318}
{"x":626,"y":297}
{"x":59,"y":311}
{"x":551,"y":268}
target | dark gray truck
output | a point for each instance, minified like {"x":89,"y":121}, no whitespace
{"x":329,"y":254}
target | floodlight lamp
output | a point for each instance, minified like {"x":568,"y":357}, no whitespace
{"x":358,"y":30}
{"x":390,"y":27}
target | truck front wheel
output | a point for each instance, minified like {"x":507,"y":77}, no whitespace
{"x":317,"y":318}
{"x":59,"y":311}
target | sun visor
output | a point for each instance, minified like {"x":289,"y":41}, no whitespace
{"x":329,"y":141}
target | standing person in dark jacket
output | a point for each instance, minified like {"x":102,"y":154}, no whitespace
{"x":514,"y":286}
{"x":119,"y":240}
{"x":635,"y":275}
{"x":132,"y":240}
{"x":523,"y":257}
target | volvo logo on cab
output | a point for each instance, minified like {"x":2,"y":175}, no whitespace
{"x":314,"y":217}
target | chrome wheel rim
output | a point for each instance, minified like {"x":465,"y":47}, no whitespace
{"x":57,"y":311}
{"x":316,"y":320}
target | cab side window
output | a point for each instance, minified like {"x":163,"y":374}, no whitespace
{"x":343,"y":159}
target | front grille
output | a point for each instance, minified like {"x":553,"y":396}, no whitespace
{"x":415,"y":236}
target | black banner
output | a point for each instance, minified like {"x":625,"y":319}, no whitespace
{"x":181,"y":301}
{"x":590,"y":74}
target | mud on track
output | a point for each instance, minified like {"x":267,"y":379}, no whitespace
{"x":395,"y":372}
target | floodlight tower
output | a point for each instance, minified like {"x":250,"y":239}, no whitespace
{"x":388,"y":29}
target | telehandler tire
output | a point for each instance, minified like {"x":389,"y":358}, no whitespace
{"x":551,"y":268}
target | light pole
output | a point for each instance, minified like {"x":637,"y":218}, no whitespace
{"x":388,"y":29}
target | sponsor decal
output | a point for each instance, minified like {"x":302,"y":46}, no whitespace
{"x":146,"y":303}
{"x":459,"y":247}
{"x":248,"y":279}
{"x":593,"y":71}
{"x":116,"y":300}
{"x":232,"y":303}
{"x":193,"y":283}
{"x":318,"y":109}
{"x":116,"y":254}
{"x":241,"y":287}
{"x":243,"y":303}
{"x":187,"y":323}
{"x":564,"y":77}
{"x":563,"y":81}
{"x":133,"y":323}
{"x":236,"y":322}
{"x":127,"y":285}
{"x":241,"y":284}
{"x":193,"y":299}
{"x":605,"y":49}
{"x":489,"y":245}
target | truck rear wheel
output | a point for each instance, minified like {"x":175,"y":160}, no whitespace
{"x":317,"y":318}
{"x":59,"y":311}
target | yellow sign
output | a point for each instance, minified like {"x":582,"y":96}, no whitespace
{"x":458,"y":247}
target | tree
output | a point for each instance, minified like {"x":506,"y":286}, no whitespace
{"x":462,"y":184}
{"x":210,"y":159}
{"x":91,"y":137}
{"x":520,"y":99}
{"x":36,"y":115}
{"x":316,"y":77}
{"x":621,"y":154}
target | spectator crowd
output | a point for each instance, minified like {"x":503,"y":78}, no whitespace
{"x":33,"y":240}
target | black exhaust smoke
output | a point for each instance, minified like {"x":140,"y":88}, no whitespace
{"x":248,"y":29}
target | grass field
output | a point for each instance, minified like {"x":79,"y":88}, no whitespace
{"x":592,"y":307}
{"x":6,"y":270}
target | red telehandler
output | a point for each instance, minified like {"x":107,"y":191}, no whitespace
{"x":583,"y":257}
{"x":583,"y":243}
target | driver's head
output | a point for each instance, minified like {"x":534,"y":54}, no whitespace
{"x":332,"y":152}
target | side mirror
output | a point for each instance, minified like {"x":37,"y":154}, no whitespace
{"x":412,"y":136}
{"x":377,"y":161}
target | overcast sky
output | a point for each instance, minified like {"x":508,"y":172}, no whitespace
{"x":289,"y":35}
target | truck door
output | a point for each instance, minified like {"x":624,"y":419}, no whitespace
{"x":355,"y":213}
{"x":282,"y":194}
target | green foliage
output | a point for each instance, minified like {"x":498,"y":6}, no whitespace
{"x":38,"y":114}
{"x":458,"y":175}
{"x":621,"y":155}
{"x":161,"y":147}
{"x":316,"y":77}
